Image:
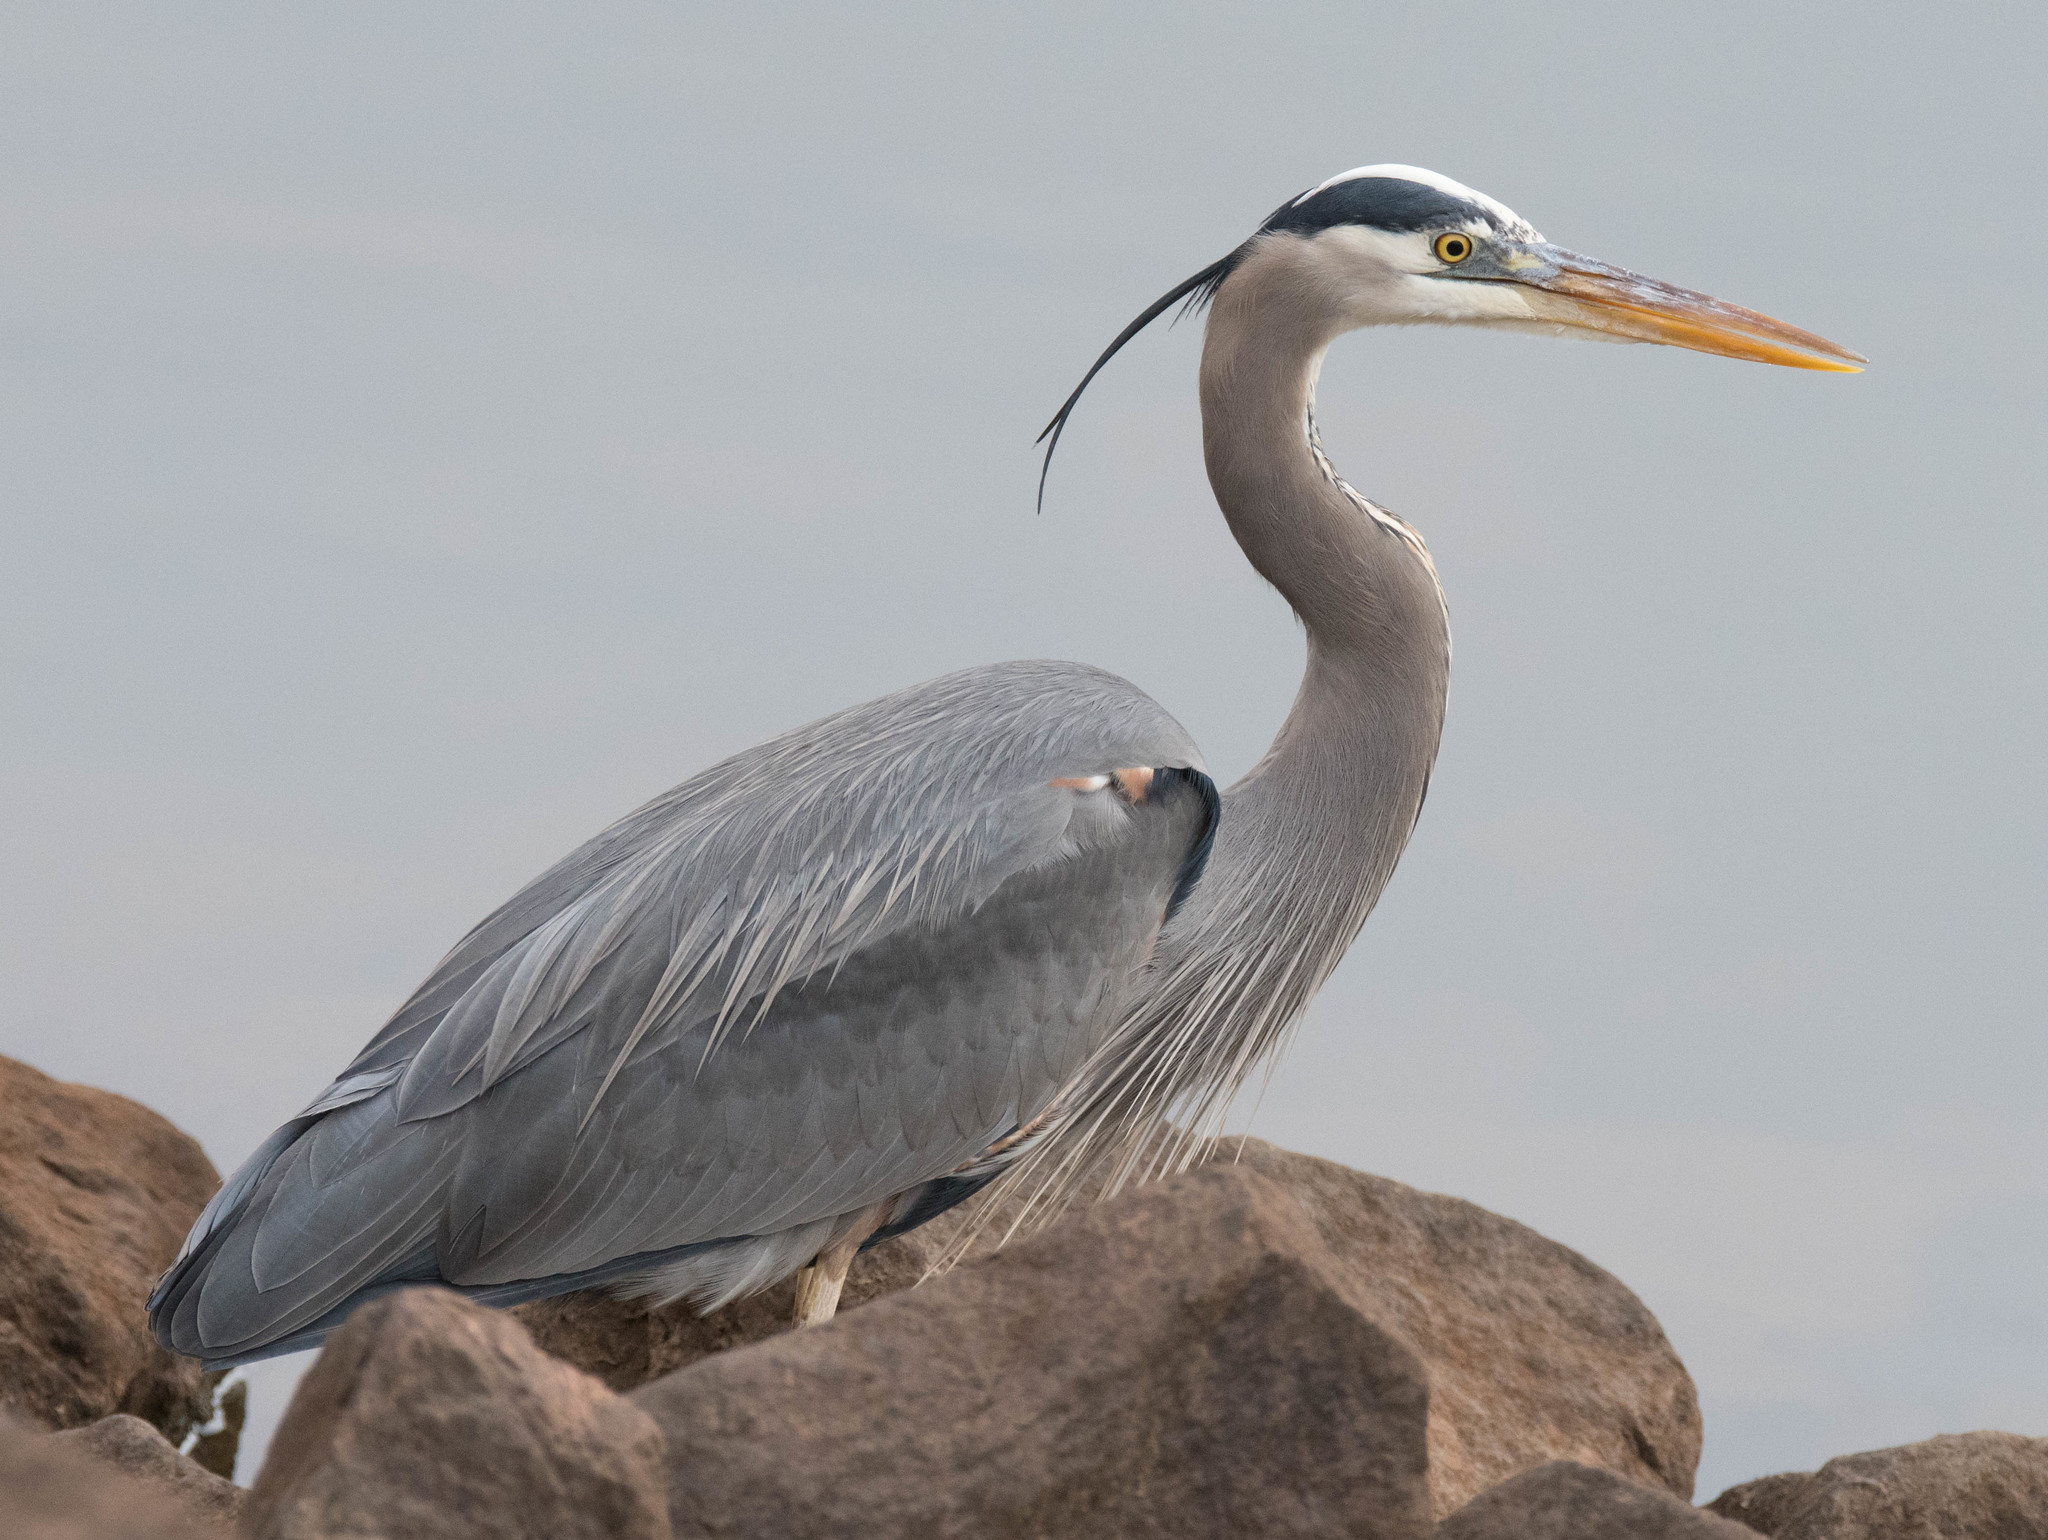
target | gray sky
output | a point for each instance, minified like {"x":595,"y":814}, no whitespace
{"x":430,"y":431}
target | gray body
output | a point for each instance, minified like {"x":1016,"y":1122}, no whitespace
{"x":840,"y":981}
{"x":836,"y":968}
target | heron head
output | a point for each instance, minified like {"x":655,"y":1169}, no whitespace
{"x":1397,"y":245}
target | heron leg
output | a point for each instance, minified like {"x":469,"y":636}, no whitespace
{"x":818,"y":1286}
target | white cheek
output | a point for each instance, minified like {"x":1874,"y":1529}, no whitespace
{"x":1452,"y":302}
{"x":1358,"y":249}
{"x":1364,"y":275}
{"x":1388,"y":278}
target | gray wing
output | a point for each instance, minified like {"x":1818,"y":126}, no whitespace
{"x":827,"y":970}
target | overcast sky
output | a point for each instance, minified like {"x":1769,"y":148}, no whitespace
{"x":429,"y":431}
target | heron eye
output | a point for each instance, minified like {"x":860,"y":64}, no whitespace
{"x":1452,"y":247}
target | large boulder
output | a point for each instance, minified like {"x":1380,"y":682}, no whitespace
{"x":52,"y":1491}
{"x":1567,"y":1501}
{"x":1532,"y":1353}
{"x":1960,"y":1486}
{"x":96,"y":1194}
{"x":428,"y":1416}
{"x":140,"y":1452}
{"x":1190,"y":1360}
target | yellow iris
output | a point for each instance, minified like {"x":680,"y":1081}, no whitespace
{"x":1452,"y":247}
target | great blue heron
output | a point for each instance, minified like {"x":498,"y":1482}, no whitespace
{"x":995,"y":923}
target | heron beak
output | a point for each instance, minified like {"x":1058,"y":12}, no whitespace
{"x":1577,"y":291}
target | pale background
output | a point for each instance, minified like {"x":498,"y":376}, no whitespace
{"x":430,"y":431}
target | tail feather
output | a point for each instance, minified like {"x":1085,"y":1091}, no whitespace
{"x":279,"y":1259}
{"x":345,"y":1204}
{"x":271,"y":1257}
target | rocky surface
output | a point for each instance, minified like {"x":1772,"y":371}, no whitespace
{"x":1269,"y":1344}
{"x":1531,"y":1352}
{"x":217,"y":1444}
{"x":627,"y":1343}
{"x":1961,"y":1486}
{"x":50,"y":1490}
{"x":139,"y":1451}
{"x":1763,"y":1504}
{"x":1188,"y":1361}
{"x":427,"y":1416}
{"x":1567,"y":1501}
{"x":96,"y":1194}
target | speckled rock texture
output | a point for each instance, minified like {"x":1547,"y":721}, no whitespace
{"x":1960,"y":1486}
{"x":428,"y":1416}
{"x":1763,"y":1504}
{"x":627,"y":1343}
{"x":1268,"y":1344}
{"x":1187,"y":1361}
{"x":1567,"y":1501}
{"x":96,"y":1194}
{"x":140,"y":1452}
{"x":1531,"y":1352}
{"x":53,"y":1490}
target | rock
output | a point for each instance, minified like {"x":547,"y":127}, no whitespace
{"x":1188,"y":1361}
{"x":138,"y":1450}
{"x":1568,"y":1501}
{"x":49,"y":1491}
{"x":627,"y":1343}
{"x":1960,"y":1486}
{"x":1763,"y":1504}
{"x":1532,"y":1352}
{"x":96,"y":1194}
{"x":427,"y":1415}
{"x":215,"y":1448}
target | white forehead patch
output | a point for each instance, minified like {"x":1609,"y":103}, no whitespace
{"x":1443,"y":184}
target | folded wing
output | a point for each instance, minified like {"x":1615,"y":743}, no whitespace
{"x":822,"y":973}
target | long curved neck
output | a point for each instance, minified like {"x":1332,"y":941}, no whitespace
{"x":1308,"y":534}
{"x":1344,"y":779}
{"x":1310,"y":835}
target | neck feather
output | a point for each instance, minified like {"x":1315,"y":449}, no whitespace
{"x":1309,"y":837}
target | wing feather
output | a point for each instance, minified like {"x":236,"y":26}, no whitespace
{"x":818,"y":974}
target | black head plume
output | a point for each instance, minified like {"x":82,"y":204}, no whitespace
{"x":1196,"y":291}
{"x":1398,"y":198}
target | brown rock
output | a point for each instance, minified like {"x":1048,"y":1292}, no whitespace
{"x":1566,"y":1501}
{"x":1533,"y":1353}
{"x":52,"y":1492}
{"x":1188,"y":1361}
{"x":626,"y":1343}
{"x":1960,"y":1486}
{"x":96,"y":1194}
{"x":216,"y":1448}
{"x":1765,"y":1503}
{"x":427,"y":1415}
{"x":138,"y":1450}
